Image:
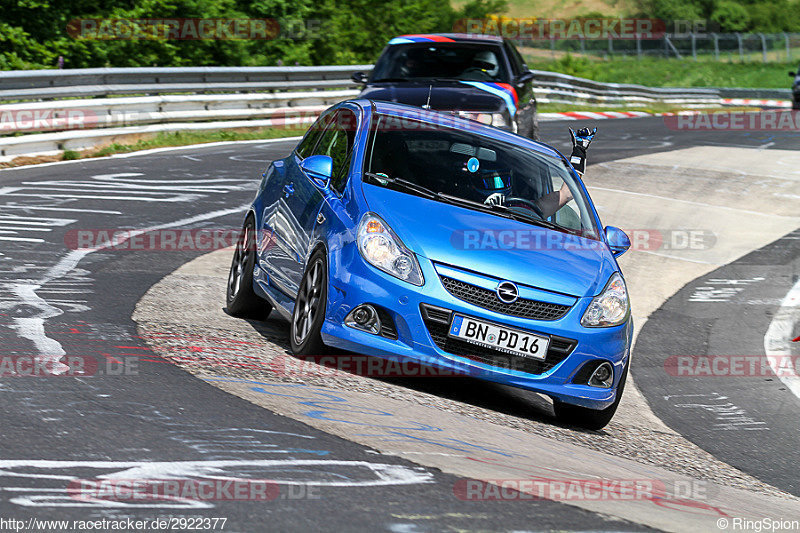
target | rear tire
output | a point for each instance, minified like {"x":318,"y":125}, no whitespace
{"x":595,"y":419}
{"x":308,"y":316}
{"x":241,"y":300}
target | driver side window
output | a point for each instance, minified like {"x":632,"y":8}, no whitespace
{"x":337,"y":143}
{"x":309,"y":142}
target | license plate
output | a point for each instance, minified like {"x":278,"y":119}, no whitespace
{"x":508,"y":340}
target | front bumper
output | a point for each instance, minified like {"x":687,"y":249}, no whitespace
{"x":421,"y":319}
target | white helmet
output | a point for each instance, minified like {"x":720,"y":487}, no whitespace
{"x":486,"y":60}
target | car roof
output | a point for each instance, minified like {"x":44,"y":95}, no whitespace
{"x":448,"y":120}
{"x":446,"y":38}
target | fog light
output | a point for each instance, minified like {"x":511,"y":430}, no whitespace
{"x":603,"y":376}
{"x":365,"y":318}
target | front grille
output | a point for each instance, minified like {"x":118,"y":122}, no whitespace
{"x":488,"y":299}
{"x":437,"y":320}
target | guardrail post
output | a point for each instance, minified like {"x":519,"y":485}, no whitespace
{"x":694,"y":46}
{"x":583,"y":45}
{"x":716,"y":46}
{"x":741,"y":48}
{"x":553,"y":46}
{"x":638,"y":46}
{"x":788,"y":47}
{"x":610,"y":46}
{"x":763,"y":48}
{"x":668,"y":42}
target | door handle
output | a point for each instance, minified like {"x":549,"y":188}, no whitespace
{"x":288,"y":189}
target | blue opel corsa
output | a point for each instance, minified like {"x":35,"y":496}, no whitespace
{"x":402,"y":233}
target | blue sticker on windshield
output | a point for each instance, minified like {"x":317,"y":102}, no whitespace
{"x":473,"y":164}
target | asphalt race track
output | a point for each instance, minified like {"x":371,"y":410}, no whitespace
{"x":748,"y":419}
{"x":134,"y":407}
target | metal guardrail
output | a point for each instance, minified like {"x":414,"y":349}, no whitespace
{"x":78,"y":83}
{"x":169,"y":99}
{"x":573,"y":88}
{"x":756,"y":94}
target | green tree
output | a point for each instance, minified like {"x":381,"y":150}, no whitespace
{"x":731,"y":16}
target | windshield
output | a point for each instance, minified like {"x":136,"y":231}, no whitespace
{"x":433,"y":60}
{"x":477,"y":172}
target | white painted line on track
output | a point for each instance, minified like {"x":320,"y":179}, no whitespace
{"x":691,"y":202}
{"x":152,"y":151}
{"x":22,"y":239}
{"x":44,"y":208}
{"x":33,"y":328}
{"x":669,"y":256}
{"x":777,"y":340}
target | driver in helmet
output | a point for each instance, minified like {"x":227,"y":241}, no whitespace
{"x":552,"y":202}
{"x":492,"y":183}
{"x":484,"y":66}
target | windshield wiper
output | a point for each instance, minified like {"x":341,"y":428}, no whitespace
{"x":383,"y":179}
{"x":463,"y":202}
{"x":500,"y":210}
{"x":526,"y":218}
{"x":503,"y":211}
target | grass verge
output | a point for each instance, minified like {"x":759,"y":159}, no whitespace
{"x":184,"y":138}
{"x":671,"y":72}
{"x":654,"y":108}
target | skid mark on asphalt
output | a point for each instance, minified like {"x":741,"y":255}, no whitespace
{"x":61,"y":476}
{"x":33,"y":327}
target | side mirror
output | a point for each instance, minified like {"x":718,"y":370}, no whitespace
{"x":319,"y":168}
{"x":524,"y":78}
{"x":360,"y":78}
{"x":618,"y":241}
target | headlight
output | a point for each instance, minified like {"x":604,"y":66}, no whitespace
{"x":610,"y":307}
{"x":384,"y":250}
{"x":499,"y":121}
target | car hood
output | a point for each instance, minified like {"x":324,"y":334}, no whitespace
{"x":444,"y":96}
{"x":493,"y":245}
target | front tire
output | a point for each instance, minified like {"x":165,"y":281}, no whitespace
{"x":595,"y":419}
{"x":241,"y":300}
{"x":309,"y":307}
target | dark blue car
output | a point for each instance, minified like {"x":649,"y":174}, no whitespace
{"x":481,"y":77}
{"x":412,"y":235}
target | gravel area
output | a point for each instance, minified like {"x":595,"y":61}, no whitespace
{"x":182,"y":319}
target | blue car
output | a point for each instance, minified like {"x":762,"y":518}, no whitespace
{"x":407,"y":234}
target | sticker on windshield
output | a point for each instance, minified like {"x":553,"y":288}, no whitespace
{"x":473,"y":164}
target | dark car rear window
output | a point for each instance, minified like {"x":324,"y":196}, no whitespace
{"x":472,"y":62}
